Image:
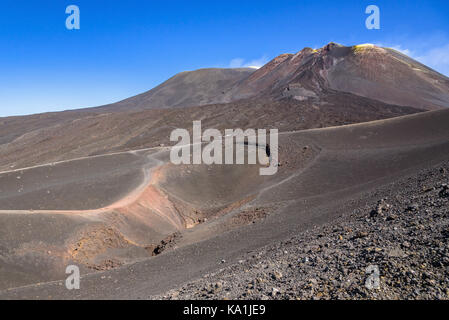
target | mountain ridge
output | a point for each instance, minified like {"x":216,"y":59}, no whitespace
{"x":366,"y":70}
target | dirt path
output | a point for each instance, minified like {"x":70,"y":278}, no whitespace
{"x":152,"y":165}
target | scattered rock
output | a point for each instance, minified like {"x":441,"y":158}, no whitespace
{"x":274,"y":292}
{"x":413,"y":207}
{"x":276,"y":275}
{"x":409,"y":251}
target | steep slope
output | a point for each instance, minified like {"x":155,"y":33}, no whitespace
{"x":390,"y":76}
{"x":120,"y":131}
{"x":185,"y":89}
{"x":105,"y":211}
{"x":366,"y":70}
{"x":378,"y":73}
{"x":329,"y":86}
{"x":344,"y":166}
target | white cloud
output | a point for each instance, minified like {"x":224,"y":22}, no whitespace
{"x":436,"y":58}
{"x":396,"y":47}
{"x":242,"y":63}
{"x":236,"y":63}
{"x":407,"y":52}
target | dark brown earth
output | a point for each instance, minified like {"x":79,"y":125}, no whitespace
{"x":379,"y":73}
{"x":114,"y":132}
{"x":96,"y":188}
{"x":404,"y":234}
{"x":366,"y":70}
{"x":333,"y":85}
{"x":186,"y":89}
{"x":343,"y":165}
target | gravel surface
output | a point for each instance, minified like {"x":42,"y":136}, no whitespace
{"x":402,"y":232}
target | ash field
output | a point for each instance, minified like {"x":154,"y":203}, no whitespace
{"x":362,"y":179}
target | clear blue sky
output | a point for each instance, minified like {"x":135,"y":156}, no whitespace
{"x":127,"y":47}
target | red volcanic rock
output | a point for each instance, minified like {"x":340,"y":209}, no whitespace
{"x":378,"y":73}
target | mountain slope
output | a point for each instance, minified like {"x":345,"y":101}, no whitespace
{"x":325,"y":174}
{"x":330,"y":86}
{"x":366,"y":70}
{"x":186,"y":89}
{"x":378,"y":73}
{"x":100,"y":133}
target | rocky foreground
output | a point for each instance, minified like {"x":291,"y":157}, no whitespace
{"x":404,"y":235}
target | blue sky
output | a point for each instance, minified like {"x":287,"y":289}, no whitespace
{"x":127,"y":47}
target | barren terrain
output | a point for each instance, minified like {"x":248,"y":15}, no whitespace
{"x":96,"y":187}
{"x":339,"y":165}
